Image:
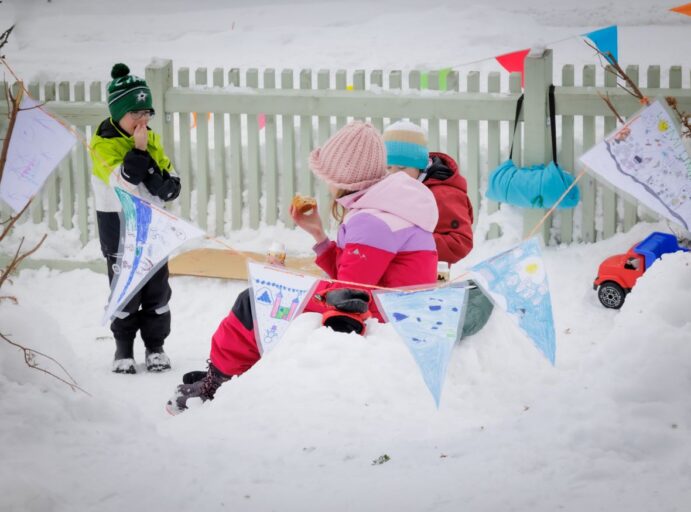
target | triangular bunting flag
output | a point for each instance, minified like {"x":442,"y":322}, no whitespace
{"x":278,"y":296}
{"x":517,"y":282}
{"x":514,"y":62}
{"x":606,"y":41}
{"x":151,"y":234}
{"x":682,"y":9}
{"x":443,"y":74}
{"x":646,"y":159}
{"x":37,"y":145}
{"x":429,"y":322}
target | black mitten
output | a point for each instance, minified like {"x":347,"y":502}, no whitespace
{"x":438,"y":170}
{"x":135,"y":166}
{"x":170,"y":188}
{"x":349,"y":300}
{"x":153,"y":182}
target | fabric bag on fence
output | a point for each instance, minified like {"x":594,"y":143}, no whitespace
{"x":535,"y":186}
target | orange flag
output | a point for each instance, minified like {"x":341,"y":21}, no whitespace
{"x":682,"y":9}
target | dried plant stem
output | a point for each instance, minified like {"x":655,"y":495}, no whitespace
{"x":29,"y":360}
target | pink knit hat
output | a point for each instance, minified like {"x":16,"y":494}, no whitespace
{"x":353,"y":159}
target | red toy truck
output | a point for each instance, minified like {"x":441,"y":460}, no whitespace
{"x":617,"y":274}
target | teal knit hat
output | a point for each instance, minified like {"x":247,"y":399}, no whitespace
{"x":127,"y":93}
{"x":406,"y":145}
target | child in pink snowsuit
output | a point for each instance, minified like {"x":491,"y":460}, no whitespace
{"x":385,"y":239}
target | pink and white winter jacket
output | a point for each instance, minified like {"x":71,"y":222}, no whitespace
{"x":386,"y":238}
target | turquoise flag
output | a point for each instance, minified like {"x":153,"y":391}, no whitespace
{"x":606,"y":41}
{"x":517,"y":282}
{"x":429,"y":323}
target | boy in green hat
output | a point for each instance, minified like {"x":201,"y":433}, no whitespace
{"x":125,"y":148}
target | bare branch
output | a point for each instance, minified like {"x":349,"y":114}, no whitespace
{"x":620,"y":73}
{"x":5,"y":36}
{"x":609,"y":103}
{"x":10,"y":222}
{"x":29,"y":359}
{"x":17,"y":259}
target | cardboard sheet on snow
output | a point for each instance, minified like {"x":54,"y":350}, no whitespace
{"x":225,"y":264}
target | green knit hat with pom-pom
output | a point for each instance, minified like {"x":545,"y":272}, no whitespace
{"x":127,"y":93}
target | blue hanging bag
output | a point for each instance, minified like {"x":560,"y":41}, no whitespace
{"x":535,"y":186}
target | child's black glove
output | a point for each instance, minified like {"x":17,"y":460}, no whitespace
{"x":347,"y":311}
{"x":438,"y":170}
{"x":170,"y":188}
{"x":135,"y":166}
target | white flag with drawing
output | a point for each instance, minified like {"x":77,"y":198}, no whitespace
{"x":151,"y":234}
{"x":37,"y":145}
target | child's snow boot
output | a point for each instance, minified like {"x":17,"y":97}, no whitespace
{"x":123,"y":362}
{"x":156,"y":359}
{"x":204,"y":389}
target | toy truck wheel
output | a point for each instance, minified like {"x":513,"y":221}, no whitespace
{"x":611,"y":295}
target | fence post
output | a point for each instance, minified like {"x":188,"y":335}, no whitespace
{"x":537,"y":150}
{"x":159,"y":77}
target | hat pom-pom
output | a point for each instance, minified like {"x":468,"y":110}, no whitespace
{"x":119,"y":70}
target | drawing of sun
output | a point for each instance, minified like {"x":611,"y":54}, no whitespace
{"x":531,"y":269}
{"x":663,"y":125}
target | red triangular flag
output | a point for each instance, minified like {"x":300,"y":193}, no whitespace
{"x":682,"y":9}
{"x":514,"y":61}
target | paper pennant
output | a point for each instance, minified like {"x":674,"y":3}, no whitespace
{"x":150,"y":235}
{"x":278,"y":296}
{"x":606,"y":41}
{"x":682,"y":9}
{"x":646,"y":159}
{"x":517,"y":282}
{"x":514,"y":62}
{"x":429,"y":322}
{"x":38,"y":145}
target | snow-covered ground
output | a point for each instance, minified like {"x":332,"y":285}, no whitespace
{"x":607,"y":428}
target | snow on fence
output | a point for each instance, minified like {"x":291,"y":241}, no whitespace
{"x":242,"y":147}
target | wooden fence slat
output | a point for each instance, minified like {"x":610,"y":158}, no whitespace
{"x":184,"y":167}
{"x":341,"y":85}
{"x":609,"y":196}
{"x":493,"y":150}
{"x":414,"y":85}
{"x":254,"y":171}
{"x":377,"y":80}
{"x":323,"y":133}
{"x":219,"y":185}
{"x":95,"y":95}
{"x":515,"y":86}
{"x":202,"y":174}
{"x":472,"y":172}
{"x":453,"y":125}
{"x":288,"y":153}
{"x":236,"y":169}
{"x":271,"y":157}
{"x":433,"y":140}
{"x":66,"y":203}
{"x":566,"y":155}
{"x":81,"y":184}
{"x":588,"y":191}
{"x":306,"y":180}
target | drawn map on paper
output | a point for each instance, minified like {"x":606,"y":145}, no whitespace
{"x":646,"y":158}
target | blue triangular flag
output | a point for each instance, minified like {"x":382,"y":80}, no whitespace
{"x":606,"y":41}
{"x":428,"y":321}
{"x":517,"y":282}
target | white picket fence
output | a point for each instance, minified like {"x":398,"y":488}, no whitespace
{"x":238,"y":174}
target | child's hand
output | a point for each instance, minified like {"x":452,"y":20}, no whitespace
{"x":141,"y":136}
{"x":311,"y":223}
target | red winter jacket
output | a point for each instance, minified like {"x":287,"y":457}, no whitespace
{"x":454,"y":232}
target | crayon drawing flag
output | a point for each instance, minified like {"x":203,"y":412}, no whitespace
{"x":37,"y":145}
{"x":150,"y":235}
{"x":517,"y":282}
{"x":429,"y":322}
{"x":646,"y":159}
{"x":278,"y":296}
